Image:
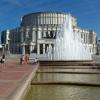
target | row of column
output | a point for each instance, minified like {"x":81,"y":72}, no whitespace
{"x":31,"y":47}
{"x":44,"y":48}
{"x":38,"y":49}
{"x":35,"y":36}
{"x":85,"y":38}
{"x":23,"y":36}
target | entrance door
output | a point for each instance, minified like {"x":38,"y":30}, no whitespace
{"x":27,"y":49}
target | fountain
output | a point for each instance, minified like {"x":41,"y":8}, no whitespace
{"x":68,"y":44}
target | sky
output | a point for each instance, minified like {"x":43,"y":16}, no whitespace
{"x":87,"y":12}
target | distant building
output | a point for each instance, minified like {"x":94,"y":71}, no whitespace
{"x":38,"y":30}
{"x":98,"y":46}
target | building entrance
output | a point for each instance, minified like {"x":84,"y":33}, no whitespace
{"x":27,"y":49}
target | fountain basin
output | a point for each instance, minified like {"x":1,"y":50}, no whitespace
{"x":69,"y":63}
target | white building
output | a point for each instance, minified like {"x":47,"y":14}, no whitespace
{"x":88,"y":38}
{"x":98,"y":46}
{"x":38,"y":30}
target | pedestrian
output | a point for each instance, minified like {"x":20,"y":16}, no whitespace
{"x":26,"y":58}
{"x":2,"y":61}
{"x":22,"y":59}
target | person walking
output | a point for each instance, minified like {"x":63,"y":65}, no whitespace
{"x":26,"y":58}
{"x":2,"y":61}
{"x":22,"y":59}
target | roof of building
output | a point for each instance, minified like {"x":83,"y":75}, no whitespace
{"x":57,"y":12}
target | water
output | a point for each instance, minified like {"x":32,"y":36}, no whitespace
{"x":65,"y":92}
{"x":92,"y":78}
{"x":62,"y":92}
{"x":68,"y":44}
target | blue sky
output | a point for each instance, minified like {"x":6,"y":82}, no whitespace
{"x":87,"y":12}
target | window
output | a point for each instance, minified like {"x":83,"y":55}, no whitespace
{"x":49,"y":34}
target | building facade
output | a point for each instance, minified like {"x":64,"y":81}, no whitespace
{"x":38,"y":30}
{"x":98,"y":46}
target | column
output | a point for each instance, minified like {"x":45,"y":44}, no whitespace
{"x":83,"y":38}
{"x":39,"y":34}
{"x":44,"y":34}
{"x":22,"y":35}
{"x":43,"y":48}
{"x":23,"y":49}
{"x":31,"y":49}
{"x":50,"y":52}
{"x":86,"y":38}
{"x":34,"y":36}
{"x":38,"y":49}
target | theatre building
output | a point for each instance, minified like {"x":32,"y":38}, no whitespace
{"x":38,"y":30}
